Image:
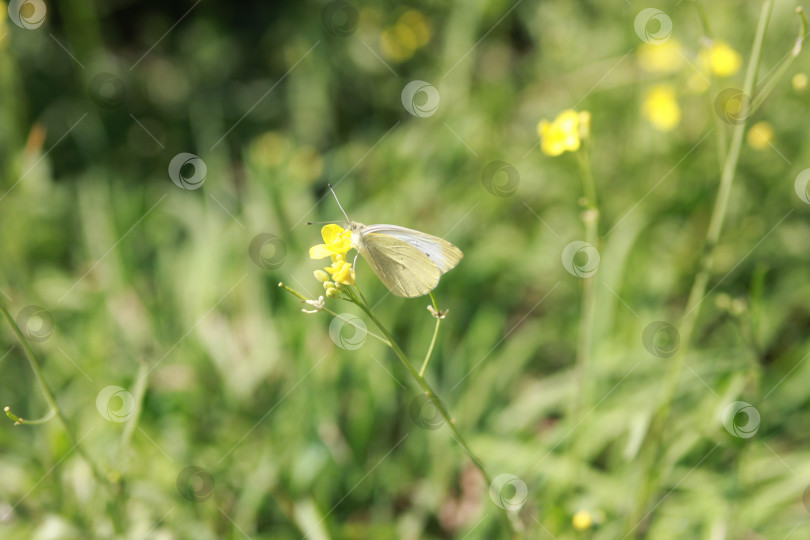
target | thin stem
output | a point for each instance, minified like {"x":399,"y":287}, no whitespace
{"x":18,"y":421}
{"x":719,"y":131}
{"x":697,"y":293}
{"x":425,"y":386}
{"x":350,"y":298}
{"x":588,"y":186}
{"x":767,"y":87}
{"x":719,"y":211}
{"x":590,"y":219}
{"x":704,"y":20}
{"x":48,"y":395}
{"x":435,"y":335}
{"x":137,"y":395}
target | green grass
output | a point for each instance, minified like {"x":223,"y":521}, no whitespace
{"x":154,"y":289}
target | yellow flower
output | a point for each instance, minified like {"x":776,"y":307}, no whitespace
{"x":760,"y":135}
{"x":799,"y":82}
{"x":663,"y":58}
{"x":582,"y":520}
{"x":338,"y":241}
{"x":661,"y":108}
{"x":400,"y":41}
{"x":720,"y":59}
{"x":564,"y":133}
{"x":341,"y":270}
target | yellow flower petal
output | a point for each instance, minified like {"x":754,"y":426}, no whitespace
{"x":331,"y":232}
{"x":321,"y":251}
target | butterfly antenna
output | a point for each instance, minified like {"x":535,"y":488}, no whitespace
{"x":338,"y":203}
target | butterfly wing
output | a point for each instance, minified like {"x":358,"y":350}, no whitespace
{"x":403,"y":268}
{"x":441,"y":252}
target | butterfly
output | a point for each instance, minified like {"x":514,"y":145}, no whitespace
{"x":408,"y":262}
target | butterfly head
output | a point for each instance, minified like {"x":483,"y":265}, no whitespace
{"x":357,"y":233}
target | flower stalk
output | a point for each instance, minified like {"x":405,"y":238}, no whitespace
{"x":697,"y":293}
{"x":439,"y":316}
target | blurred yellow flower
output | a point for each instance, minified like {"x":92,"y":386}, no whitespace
{"x":564,"y":133}
{"x":661,"y":108}
{"x":582,"y":520}
{"x":799,"y":82}
{"x":663,"y":58}
{"x":337,"y":242}
{"x":269,"y":149}
{"x":305,"y":164}
{"x":720,"y":59}
{"x":400,"y":41}
{"x":418,"y":24}
{"x":760,"y":136}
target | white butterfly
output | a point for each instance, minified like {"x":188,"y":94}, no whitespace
{"x":408,"y":262}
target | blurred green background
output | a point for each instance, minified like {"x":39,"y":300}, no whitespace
{"x":237,"y":416}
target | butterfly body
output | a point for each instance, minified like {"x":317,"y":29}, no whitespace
{"x":408,"y":262}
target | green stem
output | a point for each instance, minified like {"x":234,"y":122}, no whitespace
{"x":704,"y":20}
{"x":17,"y":420}
{"x":719,"y":131}
{"x":356,"y":296}
{"x":766,"y":89}
{"x":48,"y":395}
{"x":425,"y":386}
{"x":651,"y":459}
{"x":435,"y":335}
{"x":350,"y":298}
{"x":590,"y":219}
{"x":718,"y":216}
{"x":137,"y":395}
{"x":588,"y":185}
